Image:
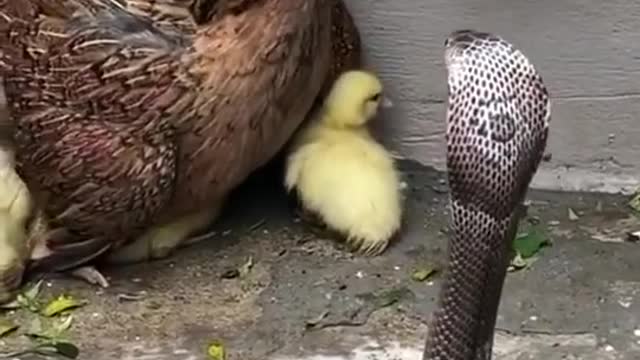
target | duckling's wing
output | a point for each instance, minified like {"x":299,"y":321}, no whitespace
{"x":95,"y":97}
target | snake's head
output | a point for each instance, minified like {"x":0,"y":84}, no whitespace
{"x":467,"y":48}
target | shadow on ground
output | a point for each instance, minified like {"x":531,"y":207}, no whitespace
{"x":305,"y":297}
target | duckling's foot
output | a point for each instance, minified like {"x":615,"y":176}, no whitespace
{"x":367,"y":247}
{"x":161,"y":240}
{"x":91,"y":275}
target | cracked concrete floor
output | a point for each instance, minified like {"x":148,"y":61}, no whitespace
{"x":579,"y":300}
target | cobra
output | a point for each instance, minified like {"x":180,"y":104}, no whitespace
{"x":497,"y":126}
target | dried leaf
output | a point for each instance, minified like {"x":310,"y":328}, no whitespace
{"x":246,"y":267}
{"x":215,"y":351}
{"x":423,"y":273}
{"x":7,"y":327}
{"x":572,"y":215}
{"x":141,"y":295}
{"x":386,"y":297}
{"x":315,"y":321}
{"x":61,"y":304}
{"x":64,"y":325}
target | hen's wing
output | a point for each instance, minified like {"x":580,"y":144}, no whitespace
{"x":93,"y":97}
{"x":103,"y":99}
{"x":166,"y":14}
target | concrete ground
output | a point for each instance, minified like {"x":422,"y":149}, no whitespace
{"x":306,"y":298}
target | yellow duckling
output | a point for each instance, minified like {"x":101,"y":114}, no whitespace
{"x":15,"y":210}
{"x":341,"y":174}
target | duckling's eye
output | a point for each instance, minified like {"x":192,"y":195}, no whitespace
{"x":375,"y":97}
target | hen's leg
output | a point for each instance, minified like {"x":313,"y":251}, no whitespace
{"x":91,"y":275}
{"x":160,"y":240}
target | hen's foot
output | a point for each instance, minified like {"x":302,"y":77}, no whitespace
{"x":91,"y":275}
{"x":367,"y":247}
{"x":160,"y":241}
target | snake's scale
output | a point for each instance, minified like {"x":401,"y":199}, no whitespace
{"x":497,"y":126}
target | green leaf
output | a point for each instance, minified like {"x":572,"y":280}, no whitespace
{"x":27,"y":299}
{"x":33,"y":292}
{"x":634,"y":203}
{"x":48,"y":331}
{"x":61,"y":304}
{"x":7,"y":327}
{"x":67,"y":349}
{"x":423,"y":273}
{"x":215,"y":351}
{"x":529,"y":243}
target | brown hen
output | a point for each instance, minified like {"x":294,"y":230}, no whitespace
{"x":134,"y":121}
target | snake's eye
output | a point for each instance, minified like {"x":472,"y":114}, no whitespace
{"x":376,"y":97}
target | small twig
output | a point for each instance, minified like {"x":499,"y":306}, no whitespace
{"x":532,"y":331}
{"x":257,"y":225}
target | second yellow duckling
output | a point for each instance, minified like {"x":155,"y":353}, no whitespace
{"x":339,"y":171}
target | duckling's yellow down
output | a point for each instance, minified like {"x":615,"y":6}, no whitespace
{"x":341,"y":173}
{"x":15,"y":209}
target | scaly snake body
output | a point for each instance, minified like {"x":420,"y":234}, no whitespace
{"x":497,"y":125}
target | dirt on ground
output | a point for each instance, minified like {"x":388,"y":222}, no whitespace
{"x":269,"y":287}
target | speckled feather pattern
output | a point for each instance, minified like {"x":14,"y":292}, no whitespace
{"x":497,"y":124}
{"x":122,"y":123}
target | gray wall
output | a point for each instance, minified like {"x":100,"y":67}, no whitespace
{"x":588,"y":53}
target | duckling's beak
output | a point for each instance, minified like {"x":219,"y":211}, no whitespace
{"x":386,"y":102}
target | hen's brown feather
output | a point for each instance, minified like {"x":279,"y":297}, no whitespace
{"x":122,"y":123}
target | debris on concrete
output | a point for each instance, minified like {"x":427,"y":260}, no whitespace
{"x":305,"y":297}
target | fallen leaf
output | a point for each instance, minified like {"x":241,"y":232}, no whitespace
{"x":7,"y":327}
{"x":572,"y":214}
{"x":49,"y":331}
{"x":67,"y":349}
{"x":26,"y":299}
{"x":246,"y":267}
{"x":518,"y":263}
{"x":257,"y":225}
{"x":216,"y":351}
{"x":230,"y":274}
{"x":530,"y":242}
{"x":315,"y":321}
{"x":140,"y":295}
{"x":423,"y":273}
{"x":61,"y":304}
{"x":634,"y":203}
{"x":386,"y":297}
{"x":63,"y":325}
{"x":52,"y":350}
{"x":633,"y":236}
{"x":33,"y":292}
